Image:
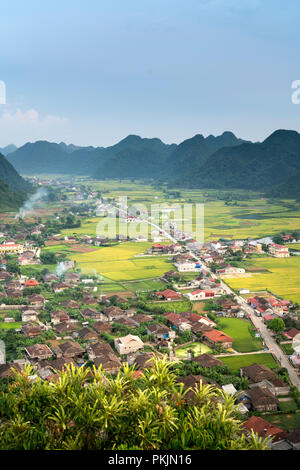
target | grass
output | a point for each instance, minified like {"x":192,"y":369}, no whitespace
{"x":287,"y":348}
{"x":288,"y":421}
{"x":197,"y":348}
{"x":235,"y":362}
{"x":283,"y":278}
{"x":288,"y":406}
{"x":238,"y":329}
{"x":178,"y":306}
{"x":10,"y":326}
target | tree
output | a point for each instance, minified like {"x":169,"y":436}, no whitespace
{"x":277,"y":325}
{"x":13,"y":266}
{"x":48,"y":257}
{"x":278,"y":239}
{"x":120,"y":413}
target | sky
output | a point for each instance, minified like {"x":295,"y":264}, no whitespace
{"x":91,"y":72}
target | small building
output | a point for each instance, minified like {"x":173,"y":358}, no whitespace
{"x":128,"y":344}
{"x":278,"y":251}
{"x":29,"y":316}
{"x":216,"y":338}
{"x":160,"y":332}
{"x":31,"y":283}
{"x":31,"y":331}
{"x":261,"y":376}
{"x":264,"y":429}
{"x":200,"y":294}
{"x":69,"y":349}
{"x":208,"y":361}
{"x":168,"y":294}
{"x":39,"y":352}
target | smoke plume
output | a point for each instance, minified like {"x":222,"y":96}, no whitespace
{"x":29,"y":205}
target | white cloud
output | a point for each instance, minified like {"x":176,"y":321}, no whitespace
{"x":18,"y":126}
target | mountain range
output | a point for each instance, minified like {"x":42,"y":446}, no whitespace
{"x":223,"y":161}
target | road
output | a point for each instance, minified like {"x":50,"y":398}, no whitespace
{"x":257,"y":321}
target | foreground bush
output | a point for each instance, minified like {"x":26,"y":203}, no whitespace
{"x":84,"y":409}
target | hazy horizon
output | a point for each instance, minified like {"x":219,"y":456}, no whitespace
{"x":92,"y":74}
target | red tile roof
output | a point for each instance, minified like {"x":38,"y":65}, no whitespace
{"x":218,"y":336}
{"x":263,"y":428}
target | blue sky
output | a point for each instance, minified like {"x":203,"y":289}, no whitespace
{"x":91,"y":72}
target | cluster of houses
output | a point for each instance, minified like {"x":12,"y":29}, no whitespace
{"x":269,"y":307}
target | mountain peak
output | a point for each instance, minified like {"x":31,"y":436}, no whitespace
{"x":282,"y":135}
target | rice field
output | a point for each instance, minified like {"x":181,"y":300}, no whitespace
{"x":283,"y":278}
{"x":118,"y":263}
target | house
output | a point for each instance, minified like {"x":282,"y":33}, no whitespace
{"x":31,"y":283}
{"x":36,"y":299}
{"x":144,"y":361}
{"x":6,"y":369}
{"x":102,"y":327}
{"x":262,"y":399}
{"x":208,"y":361}
{"x":126,"y":322}
{"x":141,"y":318}
{"x":128,"y":344}
{"x":113,"y":313}
{"x":216,"y":338}
{"x":59,"y":316}
{"x":70,"y":304}
{"x":278,"y":251}
{"x":11,"y":248}
{"x":31,"y":330}
{"x":187,"y":266}
{"x":14,"y":292}
{"x":60,"y":287}
{"x":174,"y":318}
{"x":263,"y":428}
{"x":168,"y":294}
{"x":89,"y":299}
{"x":39,"y":352}
{"x":58,"y":364}
{"x":196,"y":318}
{"x":261,"y":376}
{"x":103,"y":355}
{"x":66,"y":327}
{"x":93,"y":314}
{"x":50,"y":277}
{"x":29,"y":316}
{"x":73,"y":278}
{"x":200,"y":294}
{"x":160,"y":332}
{"x":172,"y":275}
{"x":253,"y":247}
{"x":293,"y":438}
{"x":230,"y":270}
{"x":69,"y":349}
{"x":87,"y":334}
{"x":290,"y":334}
{"x":229,"y":389}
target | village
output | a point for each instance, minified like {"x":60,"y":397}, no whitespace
{"x":56,"y":315}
